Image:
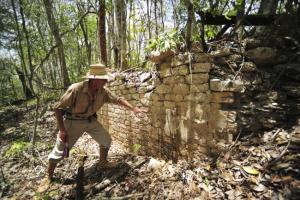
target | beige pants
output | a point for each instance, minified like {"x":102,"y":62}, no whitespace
{"x":75,"y":129}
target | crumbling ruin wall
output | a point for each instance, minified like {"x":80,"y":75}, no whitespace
{"x":187,"y":112}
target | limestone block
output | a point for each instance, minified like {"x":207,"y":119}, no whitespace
{"x":222,"y":97}
{"x":196,"y":97}
{"x":169,"y":97}
{"x":199,"y":88}
{"x":181,"y":70}
{"x":121,"y":87}
{"x":228,"y":85}
{"x":201,"y":67}
{"x":163,"y":89}
{"x":135,"y":96}
{"x":142,"y":90}
{"x":181,"y":88}
{"x":173,"y":80}
{"x":202,"y":58}
{"x":184,"y":130}
{"x":201,"y":113}
{"x":178,"y":98}
{"x":165,"y":65}
{"x":156,"y":97}
{"x":125,"y":92}
{"x":127,"y":97}
{"x":150,"y":88}
{"x":197,"y":78}
{"x":132,"y":90}
{"x":165,"y":72}
{"x":180,"y":59}
{"x":169,"y":104}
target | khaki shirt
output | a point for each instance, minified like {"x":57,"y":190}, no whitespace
{"x":78,"y":101}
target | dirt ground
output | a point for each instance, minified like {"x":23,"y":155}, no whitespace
{"x":265,"y":166}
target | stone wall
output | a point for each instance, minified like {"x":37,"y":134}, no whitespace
{"x":188,"y":113}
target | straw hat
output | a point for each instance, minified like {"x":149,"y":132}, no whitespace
{"x":98,"y":71}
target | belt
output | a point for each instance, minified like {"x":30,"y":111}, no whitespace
{"x":75,"y":117}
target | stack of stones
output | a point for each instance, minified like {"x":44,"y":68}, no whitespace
{"x":187,"y":111}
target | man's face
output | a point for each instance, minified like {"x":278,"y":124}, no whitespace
{"x":98,"y":83}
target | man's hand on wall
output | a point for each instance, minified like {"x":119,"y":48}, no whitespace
{"x":138,"y":111}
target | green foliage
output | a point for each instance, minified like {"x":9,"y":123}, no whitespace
{"x":136,"y":148}
{"x":166,"y":41}
{"x":17,"y":148}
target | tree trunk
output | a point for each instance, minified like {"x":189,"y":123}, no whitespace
{"x":268,"y":7}
{"x":28,"y":45}
{"x":149,"y":19}
{"x":175,"y":15}
{"x":155,"y":17}
{"x":87,"y":44}
{"x":120,"y":19}
{"x":58,"y":40}
{"x":162,"y":16}
{"x":239,"y":20}
{"x":22,"y":74}
{"x":117,"y":43}
{"x":109,"y":38}
{"x":189,"y":22}
{"x":101,"y":32}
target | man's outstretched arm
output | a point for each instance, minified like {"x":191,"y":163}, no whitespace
{"x":125,"y":103}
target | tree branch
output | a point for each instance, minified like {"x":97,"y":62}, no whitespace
{"x":78,"y":23}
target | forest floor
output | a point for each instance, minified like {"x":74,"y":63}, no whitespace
{"x":262,"y":166}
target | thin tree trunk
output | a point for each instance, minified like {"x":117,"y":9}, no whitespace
{"x":109,"y":39}
{"x":22,"y":74}
{"x":149,"y":19}
{"x":162,"y":16}
{"x":268,"y":7}
{"x":58,"y":40}
{"x":87,"y":44}
{"x":117,"y":46}
{"x":28,"y":45}
{"x":189,"y":22}
{"x":155,"y":17}
{"x":239,"y":20}
{"x":124,"y":63}
{"x":101,"y":32}
{"x":175,"y":15}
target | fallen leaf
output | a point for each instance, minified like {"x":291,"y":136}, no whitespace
{"x":259,"y":188}
{"x":250,"y":170}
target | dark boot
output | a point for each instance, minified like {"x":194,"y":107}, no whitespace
{"x":103,"y":162}
{"x":46,"y":181}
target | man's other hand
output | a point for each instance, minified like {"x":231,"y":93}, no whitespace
{"x":137,"y":110}
{"x":63,"y":136}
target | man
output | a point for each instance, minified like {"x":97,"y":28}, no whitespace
{"x":76,"y":114}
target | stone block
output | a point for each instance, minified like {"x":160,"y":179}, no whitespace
{"x":163,"y":89}
{"x":181,"y":88}
{"x":178,"y":98}
{"x":222,"y":97}
{"x":135,"y":96}
{"x":199,"y":88}
{"x":196,"y":97}
{"x":132,"y":90}
{"x":169,"y":104}
{"x":180,"y":59}
{"x":165,"y":73}
{"x":202,"y":58}
{"x":181,"y":70}
{"x":228,"y":85}
{"x":197,"y":78}
{"x":173,"y":80}
{"x":201,"y":67}
{"x":165,"y":65}
{"x":169,"y":97}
